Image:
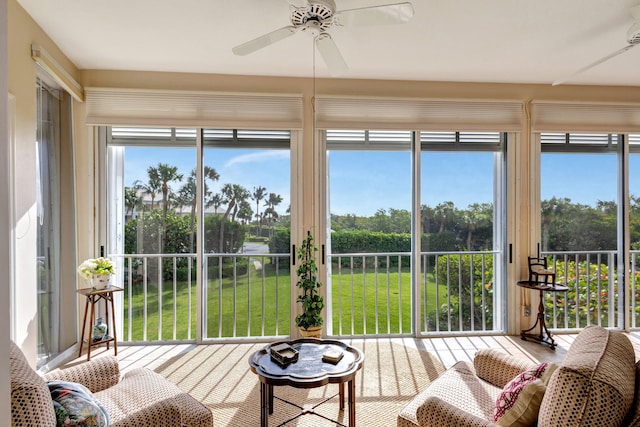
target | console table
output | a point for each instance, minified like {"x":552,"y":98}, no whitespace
{"x":93,"y":296}
{"x":544,"y":336}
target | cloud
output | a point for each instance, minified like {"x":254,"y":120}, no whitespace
{"x":259,"y":157}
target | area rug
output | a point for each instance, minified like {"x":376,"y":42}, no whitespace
{"x":219,"y":376}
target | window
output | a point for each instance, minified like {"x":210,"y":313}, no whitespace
{"x":155,"y":223}
{"x":55,"y":223}
{"x":579,"y":223}
{"x":372,"y":225}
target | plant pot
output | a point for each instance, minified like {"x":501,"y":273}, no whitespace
{"x":100,"y":281}
{"x":311,"y":332}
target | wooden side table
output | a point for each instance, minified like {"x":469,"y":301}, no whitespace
{"x":93,"y":296}
{"x":544,"y":336}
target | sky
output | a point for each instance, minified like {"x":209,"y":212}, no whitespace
{"x":361,"y":183}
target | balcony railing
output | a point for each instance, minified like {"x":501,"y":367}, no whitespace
{"x":249,"y":296}
{"x":593,"y":297}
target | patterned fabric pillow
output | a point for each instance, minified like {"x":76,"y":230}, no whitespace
{"x":75,"y":405}
{"x":519,"y":402}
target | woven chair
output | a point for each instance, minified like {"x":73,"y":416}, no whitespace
{"x":597,"y":384}
{"x":140,"y":398}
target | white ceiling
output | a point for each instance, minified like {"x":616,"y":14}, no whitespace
{"x":515,"y":41}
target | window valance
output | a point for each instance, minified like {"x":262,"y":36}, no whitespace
{"x":142,"y":107}
{"x":557,"y":116}
{"x":335,"y":112}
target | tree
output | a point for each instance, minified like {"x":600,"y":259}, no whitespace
{"x":257,"y":195}
{"x":131,"y":200}
{"x":444,"y":212}
{"x":165,"y":174}
{"x":271,"y":203}
{"x":151,"y":188}
{"x":477,"y":215}
{"x":190,"y":191}
{"x":232,"y":195}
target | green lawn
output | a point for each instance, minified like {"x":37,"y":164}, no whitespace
{"x":246,"y":308}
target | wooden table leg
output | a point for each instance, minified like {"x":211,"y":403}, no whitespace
{"x":113,"y":325}
{"x":84,"y":325}
{"x":93,"y":305}
{"x":352,"y":403}
{"x":341,"y":395}
{"x":264,"y":404}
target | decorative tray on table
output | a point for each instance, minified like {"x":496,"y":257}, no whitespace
{"x":284,"y":354}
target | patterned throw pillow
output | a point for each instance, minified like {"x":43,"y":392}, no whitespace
{"x":75,"y":405}
{"x":519,"y":402}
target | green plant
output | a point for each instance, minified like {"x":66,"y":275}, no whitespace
{"x":307,"y":272}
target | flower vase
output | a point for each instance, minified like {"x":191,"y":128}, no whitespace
{"x":100,"y":330}
{"x":100,"y":281}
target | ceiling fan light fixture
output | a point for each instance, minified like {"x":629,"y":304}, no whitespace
{"x":633,"y":34}
{"x":316,"y":17}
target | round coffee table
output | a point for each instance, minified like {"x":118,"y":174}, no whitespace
{"x":309,"y":371}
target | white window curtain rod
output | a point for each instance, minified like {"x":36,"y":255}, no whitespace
{"x":57,"y":72}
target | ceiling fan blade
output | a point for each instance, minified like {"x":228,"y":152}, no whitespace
{"x":593,"y":64}
{"x":331,"y":55}
{"x":264,"y":41}
{"x":397,"y":13}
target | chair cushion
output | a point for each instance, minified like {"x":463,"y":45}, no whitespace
{"x":520,"y":399}
{"x":595,"y":383}
{"x":30,"y":398}
{"x":146,"y":394}
{"x":75,"y":405}
{"x":460,"y":387}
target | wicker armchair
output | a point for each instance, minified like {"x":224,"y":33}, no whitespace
{"x":140,"y":397}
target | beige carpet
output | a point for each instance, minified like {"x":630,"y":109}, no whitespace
{"x":219,"y":376}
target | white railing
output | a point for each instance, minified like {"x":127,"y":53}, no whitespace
{"x":249,"y":296}
{"x":593,"y":297}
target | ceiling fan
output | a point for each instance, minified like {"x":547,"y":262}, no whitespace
{"x":633,"y":39}
{"x":316,"y":17}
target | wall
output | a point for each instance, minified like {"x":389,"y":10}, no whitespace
{"x":22,"y":33}
{"x":5,"y":226}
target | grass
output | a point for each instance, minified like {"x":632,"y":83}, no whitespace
{"x":249,"y":308}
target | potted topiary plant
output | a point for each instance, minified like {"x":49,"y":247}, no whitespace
{"x":310,"y":320}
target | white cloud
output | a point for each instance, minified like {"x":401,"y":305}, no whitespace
{"x":262,"y":156}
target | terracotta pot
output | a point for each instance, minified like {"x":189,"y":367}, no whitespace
{"x":312,"y":332}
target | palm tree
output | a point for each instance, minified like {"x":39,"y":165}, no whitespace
{"x":245,"y":213}
{"x":189,"y":190}
{"x":257,"y":195}
{"x":271,"y":203}
{"x":131,"y":200}
{"x":232,"y":194}
{"x":443,"y":212}
{"x":475,"y":216}
{"x":151,"y":187}
{"x":166,"y":174}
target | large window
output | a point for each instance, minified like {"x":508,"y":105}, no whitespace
{"x":462,"y":242}
{"x":55,"y":222}
{"x":155,"y":228}
{"x":373,"y":222}
{"x":579,"y":186}
{"x":369,"y":232}
{"x":247,"y":233}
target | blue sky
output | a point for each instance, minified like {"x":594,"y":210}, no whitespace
{"x":361,"y":183}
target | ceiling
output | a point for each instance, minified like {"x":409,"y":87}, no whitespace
{"x":512,"y":41}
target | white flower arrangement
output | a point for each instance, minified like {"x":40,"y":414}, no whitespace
{"x":99,"y":266}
